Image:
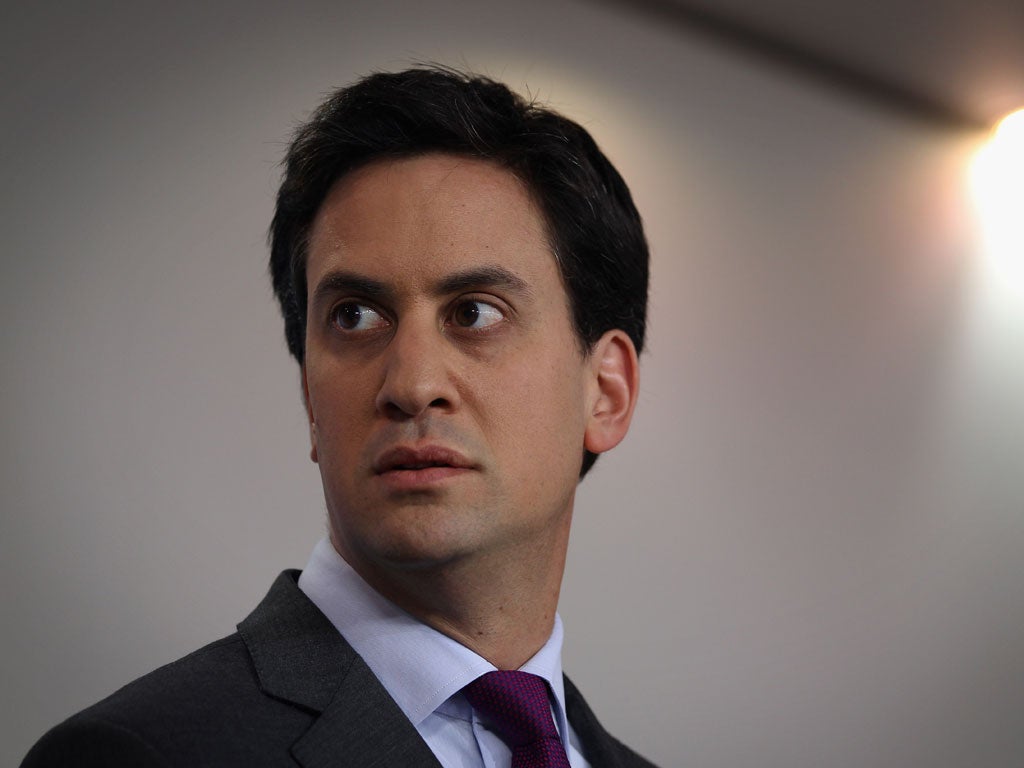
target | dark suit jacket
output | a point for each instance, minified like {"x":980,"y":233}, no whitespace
{"x":285,"y":690}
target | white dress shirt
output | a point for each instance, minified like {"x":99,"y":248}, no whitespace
{"x":423,"y":670}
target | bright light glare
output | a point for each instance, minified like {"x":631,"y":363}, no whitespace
{"x":997,"y":181}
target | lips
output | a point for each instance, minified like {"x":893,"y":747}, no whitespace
{"x":421,"y":470}
{"x":409,"y":459}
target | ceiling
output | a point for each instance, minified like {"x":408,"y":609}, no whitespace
{"x":955,"y":61}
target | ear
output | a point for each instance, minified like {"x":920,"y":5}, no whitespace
{"x":615,"y":384}
{"x":309,"y":415}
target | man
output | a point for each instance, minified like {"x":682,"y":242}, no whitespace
{"x":463,"y":278}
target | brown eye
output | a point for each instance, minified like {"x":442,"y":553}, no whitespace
{"x":353,"y":316}
{"x":476,"y":314}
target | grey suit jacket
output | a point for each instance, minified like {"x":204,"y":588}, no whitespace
{"x":285,"y":690}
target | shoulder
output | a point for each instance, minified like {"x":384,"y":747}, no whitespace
{"x":240,"y":701}
{"x":204,"y":709}
{"x":87,"y":742}
{"x":119,"y":730}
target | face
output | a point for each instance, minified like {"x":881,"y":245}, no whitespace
{"x":447,"y":394}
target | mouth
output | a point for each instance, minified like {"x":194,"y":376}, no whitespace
{"x":416,"y":460}
{"x":418,"y":470}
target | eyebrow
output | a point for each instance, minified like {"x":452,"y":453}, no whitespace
{"x":341,"y":281}
{"x":483,"y":277}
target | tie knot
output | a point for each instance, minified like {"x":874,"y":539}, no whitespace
{"x":515,"y":704}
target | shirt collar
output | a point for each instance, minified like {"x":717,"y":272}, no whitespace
{"x":420,"y":667}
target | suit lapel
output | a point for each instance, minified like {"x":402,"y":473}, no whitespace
{"x":601,"y":749}
{"x":301,"y":658}
{"x":365,"y":725}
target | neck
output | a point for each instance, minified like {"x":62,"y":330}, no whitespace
{"x":500,"y":605}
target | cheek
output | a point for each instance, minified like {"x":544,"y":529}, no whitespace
{"x":539,"y":407}
{"x":338,"y":403}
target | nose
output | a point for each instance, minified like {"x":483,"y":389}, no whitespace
{"x":417,"y":372}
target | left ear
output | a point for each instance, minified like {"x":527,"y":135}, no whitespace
{"x":614,"y":386}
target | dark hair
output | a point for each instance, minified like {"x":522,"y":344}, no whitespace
{"x":594,"y":228}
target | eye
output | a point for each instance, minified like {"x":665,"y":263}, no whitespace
{"x":353,"y":316}
{"x":476,"y":314}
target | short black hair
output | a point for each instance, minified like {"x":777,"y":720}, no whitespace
{"x":594,"y":229}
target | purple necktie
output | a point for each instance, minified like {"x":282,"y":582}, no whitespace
{"x":515,"y":705}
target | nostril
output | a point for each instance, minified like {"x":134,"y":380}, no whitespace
{"x":395,"y":412}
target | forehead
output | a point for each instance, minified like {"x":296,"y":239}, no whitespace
{"x":421,"y":215}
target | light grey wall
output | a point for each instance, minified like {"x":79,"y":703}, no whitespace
{"x":809,"y":550}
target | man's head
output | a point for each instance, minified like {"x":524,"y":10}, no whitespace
{"x":592,"y":227}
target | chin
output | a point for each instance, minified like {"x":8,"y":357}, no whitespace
{"x":406,"y":545}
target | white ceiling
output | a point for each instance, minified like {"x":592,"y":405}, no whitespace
{"x":967,"y":54}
